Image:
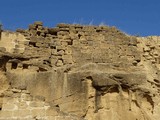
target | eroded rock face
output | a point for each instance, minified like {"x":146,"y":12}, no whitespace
{"x":74,"y":72}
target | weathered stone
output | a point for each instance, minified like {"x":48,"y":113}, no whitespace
{"x":22,"y":105}
{"x":63,"y":25}
{"x":6,"y":114}
{"x":20,"y":31}
{"x":21,"y":113}
{"x":59,"y":63}
{"x":78,"y":72}
{"x":39,"y":23}
{"x":26,"y":97}
{"x":36,"y":104}
{"x":16,"y":90}
{"x":32,"y":27}
{"x":9,"y":106}
{"x":38,"y":112}
{"x":51,"y":112}
{"x":2,"y":49}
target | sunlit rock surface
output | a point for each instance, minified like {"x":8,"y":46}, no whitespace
{"x":75,"y":72}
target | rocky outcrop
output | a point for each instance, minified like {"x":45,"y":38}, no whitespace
{"x":75,"y":72}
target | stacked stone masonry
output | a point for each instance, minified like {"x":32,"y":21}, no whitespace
{"x":76,"y":72}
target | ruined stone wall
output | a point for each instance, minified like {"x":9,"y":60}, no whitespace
{"x":75,"y":72}
{"x":12,"y":42}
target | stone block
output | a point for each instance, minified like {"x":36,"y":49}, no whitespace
{"x":67,"y":59}
{"x":8,"y":100}
{"x":26,"y":97}
{"x":38,"y":112}
{"x":51,"y":112}
{"x":38,"y":98}
{"x":34,"y":68}
{"x":53,"y":31}
{"x":8,"y":93}
{"x":39,"y":27}
{"x":9,"y":106}
{"x":36,"y":104}
{"x":54,"y":51}
{"x":68,"y":51}
{"x":6,"y":114}
{"x":14,"y":90}
{"x":60,"y":47}
{"x":76,"y":42}
{"x":22,"y":105}
{"x":20,"y":31}
{"x":62,"y":33}
{"x":2,"y":49}
{"x":50,"y":118}
{"x":146,"y":49}
{"x":16,"y":95}
{"x":8,"y":66}
{"x":21,"y":113}
{"x":32,"y":27}
{"x":42,"y":34}
{"x":60,"y":53}
{"x":64,"y":29}
{"x":64,"y":43}
{"x":67,"y":117}
{"x":89,"y":28}
{"x":58,"y":43}
{"x":54,"y":61}
{"x":38,"y":23}
{"x":25,"y":91}
{"x":42,"y":45}
{"x":59,"y":63}
{"x":63,"y":25}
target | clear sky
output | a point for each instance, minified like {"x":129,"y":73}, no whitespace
{"x":135,"y":17}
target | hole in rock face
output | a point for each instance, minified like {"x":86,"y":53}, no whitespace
{"x":38,"y":33}
{"x":53,"y":47}
{"x":3,"y":62}
{"x":57,"y":106}
{"x":79,"y":35}
{"x":89,"y":77}
{"x":32,"y":44}
{"x":14,"y":65}
{"x":42,"y":69}
{"x":113,"y":89}
{"x":0,"y":106}
{"x":70,"y":43}
{"x":157,"y":81}
{"x":118,"y":77}
{"x":25,"y":66}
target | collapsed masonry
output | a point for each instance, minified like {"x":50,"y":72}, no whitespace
{"x":78,"y":72}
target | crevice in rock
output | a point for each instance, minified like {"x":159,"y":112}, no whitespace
{"x":41,"y":69}
{"x":3,"y":61}
{"x":0,"y":106}
{"x":118,"y":77}
{"x":97,"y":100}
{"x":70,"y":42}
{"x":32,"y":44}
{"x":149,"y":99}
{"x":90,"y":78}
{"x":157,"y":81}
{"x":130,"y":99}
{"x":14,"y":65}
{"x":25,"y":66}
{"x":112,"y":89}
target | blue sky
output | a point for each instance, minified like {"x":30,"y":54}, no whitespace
{"x":135,"y":17}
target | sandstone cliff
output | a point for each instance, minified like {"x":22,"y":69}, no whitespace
{"x":75,"y":72}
